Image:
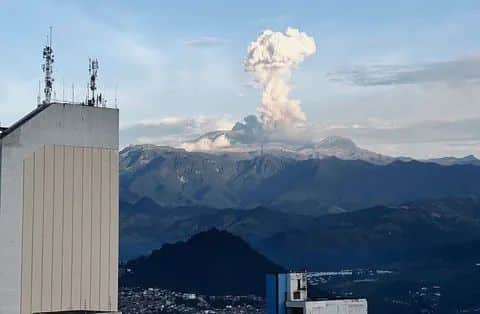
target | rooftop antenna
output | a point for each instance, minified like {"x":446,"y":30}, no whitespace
{"x":93,"y":71}
{"x":38,"y":95}
{"x":63,"y":89}
{"x":87,"y":95}
{"x":116,"y":99}
{"x":73,"y":93}
{"x":47,"y":68}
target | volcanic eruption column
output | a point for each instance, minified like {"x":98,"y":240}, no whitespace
{"x":271,"y":59}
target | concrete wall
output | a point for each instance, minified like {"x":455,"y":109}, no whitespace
{"x":354,"y":306}
{"x":347,"y":306}
{"x":60,"y":138}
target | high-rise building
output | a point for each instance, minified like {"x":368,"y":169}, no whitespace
{"x":59,"y":210}
{"x":59,"y":207}
{"x":287,"y":294}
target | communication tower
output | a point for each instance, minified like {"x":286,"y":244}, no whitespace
{"x":47,"y":68}
{"x":93,"y":71}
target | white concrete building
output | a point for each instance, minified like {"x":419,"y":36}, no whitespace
{"x":59,"y":211}
{"x":288,"y":294}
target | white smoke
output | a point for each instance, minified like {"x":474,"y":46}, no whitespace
{"x":271,"y":59}
{"x":206,"y":144}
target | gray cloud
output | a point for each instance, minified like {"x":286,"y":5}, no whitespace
{"x":205,"y":42}
{"x":416,"y":133}
{"x":452,"y":71}
{"x":425,"y":139}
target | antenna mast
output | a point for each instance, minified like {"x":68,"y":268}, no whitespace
{"x":38,"y":95}
{"x":116,"y":98}
{"x":93,"y":71}
{"x":47,"y":68}
{"x":73,"y":93}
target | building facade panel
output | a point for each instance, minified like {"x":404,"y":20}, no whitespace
{"x":86,"y":227}
{"x":96,"y":216}
{"x":47,"y":254}
{"x":58,"y":212}
{"x":27,"y":235}
{"x":114,"y":225}
{"x":67,"y":229}
{"x":37,"y":259}
{"x":104,"y":229}
{"x":58,"y":195}
{"x":77,"y":210}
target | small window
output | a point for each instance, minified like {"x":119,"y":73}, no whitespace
{"x":296,"y":295}
{"x":295,"y":311}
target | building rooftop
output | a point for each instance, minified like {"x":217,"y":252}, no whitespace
{"x":7,"y":130}
{"x":4,"y":131}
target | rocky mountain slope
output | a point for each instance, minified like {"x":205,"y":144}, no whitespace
{"x":174,"y":178}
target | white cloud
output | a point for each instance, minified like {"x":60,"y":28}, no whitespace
{"x":206,"y":144}
{"x":172,"y":131}
{"x":200,"y":123}
{"x":205,"y":41}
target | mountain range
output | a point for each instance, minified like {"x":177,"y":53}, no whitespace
{"x":177,"y":178}
{"x":373,"y":236}
{"x":145,"y":225}
{"x":379,"y":236}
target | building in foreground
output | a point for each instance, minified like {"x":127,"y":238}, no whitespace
{"x":287,"y":294}
{"x":59,"y":209}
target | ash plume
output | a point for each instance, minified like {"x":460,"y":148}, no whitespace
{"x":271,"y":59}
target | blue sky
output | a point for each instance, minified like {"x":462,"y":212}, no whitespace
{"x":180,"y":63}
